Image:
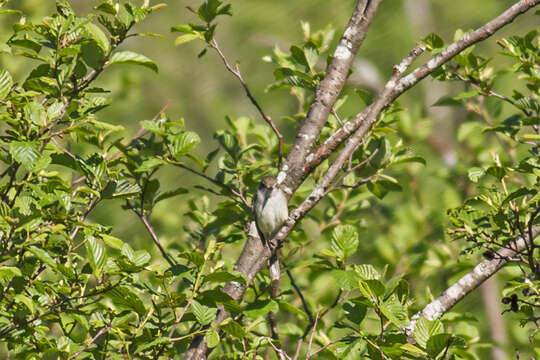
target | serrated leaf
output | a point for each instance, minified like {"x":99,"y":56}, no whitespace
{"x":124,"y":297}
{"x":130,"y":57}
{"x":6,"y":82}
{"x":345,"y":240}
{"x":183,"y":143}
{"x":345,"y":279}
{"x":424,"y":329}
{"x":367,"y":272}
{"x":517,"y":194}
{"x":203,"y":314}
{"x":395,"y":311}
{"x":475,"y":174}
{"x":96,"y":255}
{"x":43,"y":256}
{"x":438,"y":343}
{"x":27,"y":153}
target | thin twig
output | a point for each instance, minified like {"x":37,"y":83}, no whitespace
{"x":152,"y":233}
{"x":282,"y":354}
{"x":100,"y":332}
{"x":179,"y":318}
{"x":300,"y":295}
{"x":327,"y":345}
{"x":312,"y":334}
{"x":236,"y":72}
{"x":238,"y":194}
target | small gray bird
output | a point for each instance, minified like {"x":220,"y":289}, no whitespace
{"x":270,"y":207}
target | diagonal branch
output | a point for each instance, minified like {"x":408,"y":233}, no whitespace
{"x":363,"y":120}
{"x":470,"y":281}
{"x":236,"y":72}
{"x":328,"y":91}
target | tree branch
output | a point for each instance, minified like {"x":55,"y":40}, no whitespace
{"x":328,"y":91}
{"x":363,"y":120}
{"x":469,"y":282}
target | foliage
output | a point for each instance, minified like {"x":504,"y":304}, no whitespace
{"x":70,"y":288}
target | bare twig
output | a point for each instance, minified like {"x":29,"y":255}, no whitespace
{"x":236,"y":72}
{"x":301,"y":296}
{"x":179,"y":318}
{"x":308,"y":355}
{"x":151,"y":231}
{"x":93,"y":340}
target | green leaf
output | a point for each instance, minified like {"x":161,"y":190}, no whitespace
{"x":355,"y":312}
{"x":203,"y":314}
{"x":43,"y":256}
{"x":438,"y":343}
{"x":260,"y":307}
{"x":517,"y":194}
{"x":106,"y":7}
{"x":160,"y":340}
{"x":6,"y":82}
{"x":345,"y":279}
{"x":187,"y":38}
{"x":410,"y":348}
{"x":150,"y":164}
{"x":98,"y":36}
{"x":27,"y":153}
{"x":183,"y":143}
{"x":233,"y":328}
{"x":367,"y":272}
{"x":475,"y":174}
{"x":8,"y":272}
{"x":223,"y":276}
{"x":130,"y":57}
{"x":112,"y":241}
{"x":408,"y":159}
{"x":433,"y":42}
{"x":124,"y":297}
{"x":395,"y":311}
{"x":96,"y":255}
{"x":466,"y":95}
{"x":424,"y":329}
{"x":212,"y":338}
{"x":345,"y":240}
{"x":377,"y":189}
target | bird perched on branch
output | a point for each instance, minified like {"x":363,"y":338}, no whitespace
{"x":270,"y":207}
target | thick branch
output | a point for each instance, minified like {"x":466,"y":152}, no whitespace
{"x":405,"y":83}
{"x":328,"y":91}
{"x":470,"y":281}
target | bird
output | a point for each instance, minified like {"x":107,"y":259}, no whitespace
{"x":271,"y":211}
{"x":270,"y":208}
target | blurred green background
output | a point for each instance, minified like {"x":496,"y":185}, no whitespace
{"x":405,"y":230}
